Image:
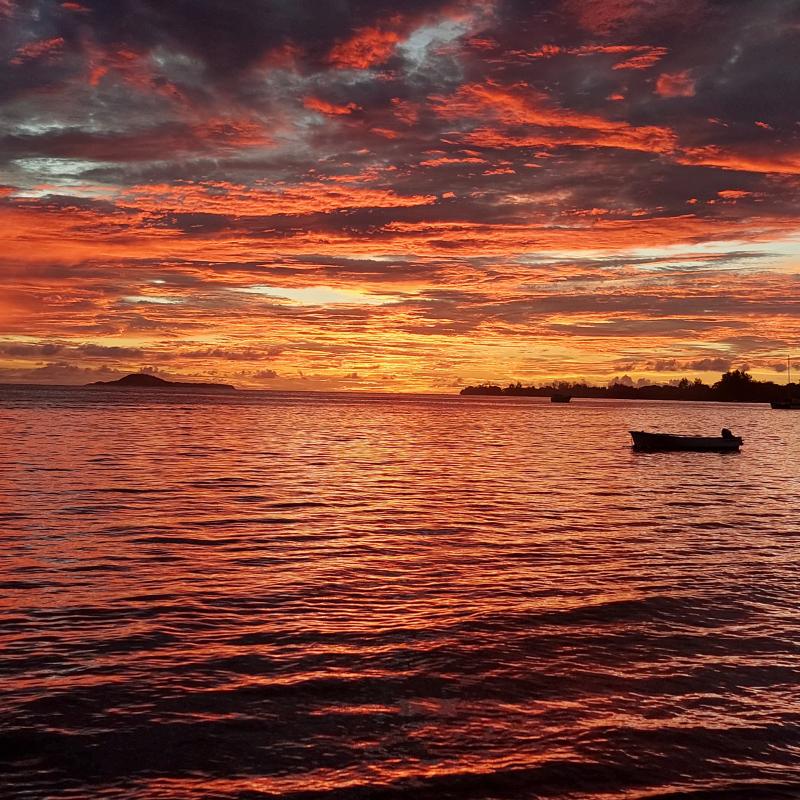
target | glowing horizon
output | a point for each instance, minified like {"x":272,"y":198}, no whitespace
{"x":352,"y":196}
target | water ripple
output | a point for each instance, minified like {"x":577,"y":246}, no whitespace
{"x":336,"y":596}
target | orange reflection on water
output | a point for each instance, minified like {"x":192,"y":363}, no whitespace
{"x":281,"y":594}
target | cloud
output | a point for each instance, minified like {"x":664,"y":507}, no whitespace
{"x":521,"y":105}
{"x":42,"y":49}
{"x":109,"y":351}
{"x":347,"y":190}
{"x":58,"y":372}
{"x":626,"y":380}
{"x":664,"y":365}
{"x":31,"y":350}
{"x":675,"y":84}
{"x":367,"y":47}
{"x":324,"y":107}
{"x":605,"y":17}
{"x":710,"y":364}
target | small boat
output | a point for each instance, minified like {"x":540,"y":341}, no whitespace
{"x":787,"y":405}
{"x":560,"y":398}
{"x":727,"y":442}
{"x":791,"y":403}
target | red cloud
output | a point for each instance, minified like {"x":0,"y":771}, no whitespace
{"x":366,"y":48}
{"x":127,"y":63}
{"x":675,"y":84}
{"x":601,"y":16}
{"x":605,"y":16}
{"x":135,"y":69}
{"x":44,"y":48}
{"x":406,"y":111}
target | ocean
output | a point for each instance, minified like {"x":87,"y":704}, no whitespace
{"x":267,"y":595}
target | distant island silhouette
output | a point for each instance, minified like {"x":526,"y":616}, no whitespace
{"x":733,"y":386}
{"x":145,"y":381}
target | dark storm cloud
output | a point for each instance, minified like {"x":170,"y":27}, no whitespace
{"x":148,"y":143}
{"x":228,"y":37}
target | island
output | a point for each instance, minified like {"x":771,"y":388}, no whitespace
{"x":144,"y":381}
{"x":735,"y":386}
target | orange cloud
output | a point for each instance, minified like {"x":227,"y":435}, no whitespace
{"x":521,"y":105}
{"x":644,"y":61}
{"x":225,"y":222}
{"x":639,"y":56}
{"x":580,"y":329}
{"x":733,"y":194}
{"x":787,"y":163}
{"x":446,"y":160}
{"x":332,"y":109}
{"x":231,"y":199}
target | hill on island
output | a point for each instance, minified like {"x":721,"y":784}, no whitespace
{"x":145,"y":381}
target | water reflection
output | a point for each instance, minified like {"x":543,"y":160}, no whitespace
{"x":328,"y":596}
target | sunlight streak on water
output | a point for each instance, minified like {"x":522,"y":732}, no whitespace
{"x":372,"y":596}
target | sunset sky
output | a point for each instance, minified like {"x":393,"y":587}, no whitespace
{"x":417,"y":195}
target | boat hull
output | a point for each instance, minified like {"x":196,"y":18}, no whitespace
{"x":560,"y":398}
{"x":786,"y":405}
{"x":655,"y":442}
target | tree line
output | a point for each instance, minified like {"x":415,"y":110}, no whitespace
{"x":734,"y":386}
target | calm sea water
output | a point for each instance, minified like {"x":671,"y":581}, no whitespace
{"x":333,"y":596}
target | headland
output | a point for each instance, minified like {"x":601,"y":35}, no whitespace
{"x":144,"y":381}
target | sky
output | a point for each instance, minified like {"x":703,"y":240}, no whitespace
{"x":398,"y":196}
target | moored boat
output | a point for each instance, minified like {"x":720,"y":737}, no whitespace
{"x":787,"y":405}
{"x":560,"y":398}
{"x":727,"y":442}
{"x":790,"y":403}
